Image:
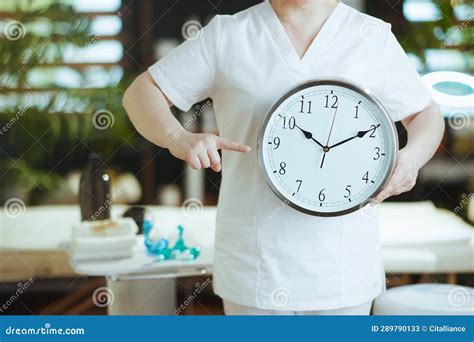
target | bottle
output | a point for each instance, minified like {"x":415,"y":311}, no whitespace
{"x":94,"y":192}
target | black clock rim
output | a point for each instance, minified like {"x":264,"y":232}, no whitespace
{"x":366,"y":93}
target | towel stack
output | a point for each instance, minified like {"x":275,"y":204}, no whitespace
{"x":108,"y":239}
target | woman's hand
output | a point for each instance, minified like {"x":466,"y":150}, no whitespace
{"x":425,"y":131}
{"x":200,"y":150}
{"x":403,"y":178}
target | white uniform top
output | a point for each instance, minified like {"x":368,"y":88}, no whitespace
{"x":269,"y":255}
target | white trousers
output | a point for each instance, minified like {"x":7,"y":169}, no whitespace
{"x":233,"y":309}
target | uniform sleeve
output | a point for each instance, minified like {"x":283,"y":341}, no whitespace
{"x":404,"y":93}
{"x":186,"y":75}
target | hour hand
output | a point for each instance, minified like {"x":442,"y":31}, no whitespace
{"x":359,"y":134}
{"x":309,"y":135}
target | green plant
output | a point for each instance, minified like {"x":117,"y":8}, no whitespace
{"x":19,"y":172}
{"x":445,"y":33}
{"x":47,"y":130}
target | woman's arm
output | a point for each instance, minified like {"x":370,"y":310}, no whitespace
{"x":149,"y":111}
{"x":425,"y":131}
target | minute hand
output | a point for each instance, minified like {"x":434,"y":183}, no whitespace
{"x":359,"y":134}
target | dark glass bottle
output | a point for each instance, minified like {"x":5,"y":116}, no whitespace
{"x":94,"y":191}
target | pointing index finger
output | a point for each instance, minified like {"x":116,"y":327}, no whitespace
{"x":228,"y":145}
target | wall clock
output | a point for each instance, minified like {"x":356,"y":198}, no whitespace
{"x":327,"y":147}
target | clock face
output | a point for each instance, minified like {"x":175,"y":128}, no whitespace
{"x":327,"y":148}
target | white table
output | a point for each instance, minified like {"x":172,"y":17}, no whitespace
{"x":419,"y":238}
{"x":416,"y":238}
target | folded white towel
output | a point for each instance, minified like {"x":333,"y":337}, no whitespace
{"x":123,"y":226}
{"x":82,"y":255}
{"x":106,"y":243}
{"x":99,"y":240}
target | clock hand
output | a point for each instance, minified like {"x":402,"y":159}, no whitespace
{"x":332,"y":125}
{"x":309,"y":135}
{"x":326,"y":148}
{"x":359,"y":134}
{"x":322,"y":160}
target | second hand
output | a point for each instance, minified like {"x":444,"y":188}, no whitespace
{"x":326,"y":149}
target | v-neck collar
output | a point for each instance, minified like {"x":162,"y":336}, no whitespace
{"x":319,"y":44}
